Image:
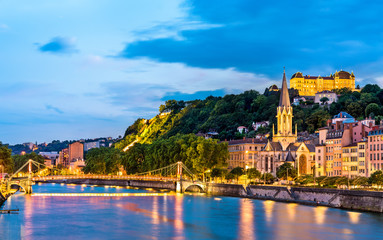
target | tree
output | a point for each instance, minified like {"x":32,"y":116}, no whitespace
{"x":355,"y":109}
{"x":253,"y":173}
{"x":360,"y":181}
{"x":237,"y":172}
{"x":268,"y":177}
{"x":103,"y":160}
{"x":286,"y":170}
{"x":324,"y":100}
{"x":317,"y":119}
{"x":372,"y":109}
{"x":230,"y":176}
{"x":376,"y":178}
{"x":20,"y":160}
{"x":371,"y":88}
{"x":218,"y":173}
{"x":5,"y":159}
{"x":305,"y":179}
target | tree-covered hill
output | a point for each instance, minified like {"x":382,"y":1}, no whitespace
{"x":225,"y":114}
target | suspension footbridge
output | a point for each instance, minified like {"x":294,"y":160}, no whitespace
{"x":178,"y":173}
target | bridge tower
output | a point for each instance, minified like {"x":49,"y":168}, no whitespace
{"x":179,"y":175}
{"x":28,"y":187}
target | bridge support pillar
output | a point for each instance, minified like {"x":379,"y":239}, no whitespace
{"x":179,"y":187}
{"x":28,"y":189}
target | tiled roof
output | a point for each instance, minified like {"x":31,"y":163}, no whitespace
{"x":311,"y":147}
{"x":289,"y":157}
{"x":343,"y":115}
{"x":248,"y":140}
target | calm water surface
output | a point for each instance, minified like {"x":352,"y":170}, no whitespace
{"x":174,"y":217}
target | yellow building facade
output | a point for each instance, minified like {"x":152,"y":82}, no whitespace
{"x":309,"y":85}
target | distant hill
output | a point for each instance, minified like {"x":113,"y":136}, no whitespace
{"x":224,"y":114}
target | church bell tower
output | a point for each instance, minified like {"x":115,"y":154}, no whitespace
{"x":284,"y":133}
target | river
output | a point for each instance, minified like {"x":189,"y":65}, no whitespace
{"x":149,"y":214}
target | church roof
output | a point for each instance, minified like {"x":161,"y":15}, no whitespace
{"x":284,"y":99}
{"x":311,"y":147}
{"x":293,"y":147}
{"x":289,"y":157}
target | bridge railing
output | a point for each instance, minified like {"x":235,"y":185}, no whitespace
{"x":106,"y":177}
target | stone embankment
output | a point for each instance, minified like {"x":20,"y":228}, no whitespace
{"x":2,"y":199}
{"x":346,"y":199}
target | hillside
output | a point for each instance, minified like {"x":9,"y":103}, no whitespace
{"x":225,"y":114}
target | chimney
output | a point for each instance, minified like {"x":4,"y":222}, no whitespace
{"x":337,"y":125}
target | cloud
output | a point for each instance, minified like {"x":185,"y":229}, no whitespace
{"x":3,"y":26}
{"x":59,"y":45}
{"x":171,"y":30}
{"x":257,"y":36}
{"x":192,"y":96}
{"x":147,"y":83}
{"x":57,"y":110}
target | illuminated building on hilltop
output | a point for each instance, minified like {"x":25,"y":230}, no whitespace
{"x":309,"y":85}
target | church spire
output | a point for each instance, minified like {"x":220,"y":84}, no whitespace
{"x":284,"y":99}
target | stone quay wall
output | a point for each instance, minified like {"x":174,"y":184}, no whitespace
{"x":347,"y":199}
{"x":2,"y":199}
{"x":233,"y":190}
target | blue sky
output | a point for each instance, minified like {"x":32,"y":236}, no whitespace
{"x":84,"y":69}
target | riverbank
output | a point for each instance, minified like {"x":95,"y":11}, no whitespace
{"x":2,"y":199}
{"x":345,"y":199}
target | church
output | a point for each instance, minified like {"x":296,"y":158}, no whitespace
{"x":284,"y":146}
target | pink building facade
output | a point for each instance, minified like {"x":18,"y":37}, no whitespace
{"x":375,"y":150}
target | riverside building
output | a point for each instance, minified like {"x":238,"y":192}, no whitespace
{"x":342,"y":147}
{"x":244,"y":152}
{"x":375,"y":150}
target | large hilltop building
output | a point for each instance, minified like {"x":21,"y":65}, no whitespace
{"x":309,"y":85}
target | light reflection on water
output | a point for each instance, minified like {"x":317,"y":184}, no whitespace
{"x":174,"y":216}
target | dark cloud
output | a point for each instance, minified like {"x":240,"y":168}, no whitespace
{"x":193,"y":96}
{"x":59,"y":45}
{"x":57,"y":110}
{"x":264,"y":36}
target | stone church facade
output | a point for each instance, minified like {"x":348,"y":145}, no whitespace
{"x":284,"y":146}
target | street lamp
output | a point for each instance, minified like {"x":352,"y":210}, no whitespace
{"x":287,"y":178}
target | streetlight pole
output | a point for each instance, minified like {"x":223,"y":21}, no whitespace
{"x":287,"y":178}
{"x":348,"y":179}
